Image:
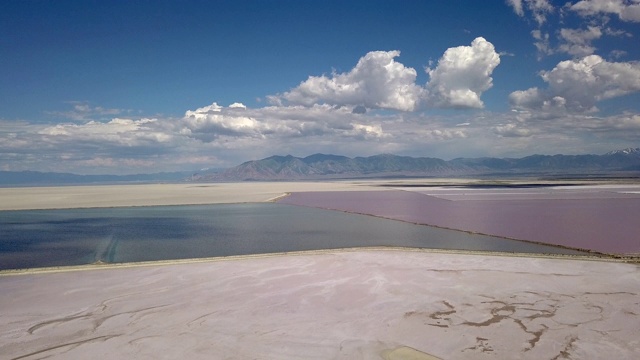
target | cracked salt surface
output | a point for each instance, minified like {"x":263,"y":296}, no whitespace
{"x":364,"y":304}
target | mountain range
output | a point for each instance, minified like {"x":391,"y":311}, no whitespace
{"x":323,"y":166}
{"x":37,"y":178}
{"x":619,"y":163}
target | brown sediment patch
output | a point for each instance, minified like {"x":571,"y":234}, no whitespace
{"x":406,"y":353}
{"x":71,"y":345}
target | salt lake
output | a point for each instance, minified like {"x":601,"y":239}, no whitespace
{"x":44,"y":238}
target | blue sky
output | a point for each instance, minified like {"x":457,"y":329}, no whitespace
{"x":148,"y":86}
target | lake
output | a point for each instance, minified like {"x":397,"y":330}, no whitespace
{"x":43,"y":238}
{"x":598,"y":218}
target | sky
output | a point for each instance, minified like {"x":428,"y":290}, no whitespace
{"x":122,"y":87}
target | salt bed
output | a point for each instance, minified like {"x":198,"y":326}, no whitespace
{"x":350,"y":304}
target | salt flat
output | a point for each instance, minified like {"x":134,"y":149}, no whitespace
{"x":343,"y":304}
{"x":83,"y":196}
{"x":65,"y":197}
{"x":363,"y":304}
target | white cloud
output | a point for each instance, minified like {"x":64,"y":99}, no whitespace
{"x":538,"y":8}
{"x":445,"y":134}
{"x":512,"y":130}
{"x":83,"y":111}
{"x":626,"y":125}
{"x":123,"y":144}
{"x":377,"y":81}
{"x":577,"y":42}
{"x":517,"y":6}
{"x":462,"y":75}
{"x":627,"y":10}
{"x":237,"y":105}
{"x":209,"y":122}
{"x":577,"y":85}
{"x":541,"y":43}
{"x":123,"y":132}
{"x":215,"y":123}
{"x":149,"y":145}
{"x":367,"y":131}
{"x":617,"y":54}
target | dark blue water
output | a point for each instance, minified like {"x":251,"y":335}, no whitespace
{"x":82,"y":236}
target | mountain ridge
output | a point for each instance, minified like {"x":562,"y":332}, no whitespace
{"x":622,"y":163}
{"x":38,"y":178}
{"x":327,"y":166}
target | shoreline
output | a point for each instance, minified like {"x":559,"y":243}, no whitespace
{"x":215,"y":259}
{"x":155,"y":194}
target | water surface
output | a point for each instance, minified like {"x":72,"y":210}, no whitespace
{"x":39,"y":238}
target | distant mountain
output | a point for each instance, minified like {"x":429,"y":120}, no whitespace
{"x":627,"y":151}
{"x":322,"y":166}
{"x":32,"y":178}
{"x":625,"y":162}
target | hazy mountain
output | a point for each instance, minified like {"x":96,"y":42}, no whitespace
{"x":322,"y":166}
{"x":31,"y":178}
{"x":625,"y":162}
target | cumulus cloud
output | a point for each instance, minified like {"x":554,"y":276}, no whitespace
{"x":577,"y":85}
{"x":577,"y":42}
{"x":377,"y":81}
{"x":626,"y":10}
{"x":214,"y":122}
{"x":462,"y":75}
{"x":367,"y":131}
{"x":209,"y":122}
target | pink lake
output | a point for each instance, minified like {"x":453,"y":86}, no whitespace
{"x":591,"y":218}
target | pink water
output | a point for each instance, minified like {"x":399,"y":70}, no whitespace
{"x":607,"y":224}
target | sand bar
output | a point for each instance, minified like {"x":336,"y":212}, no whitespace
{"x":84,"y":196}
{"x":362,"y":304}
{"x":65,"y":197}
